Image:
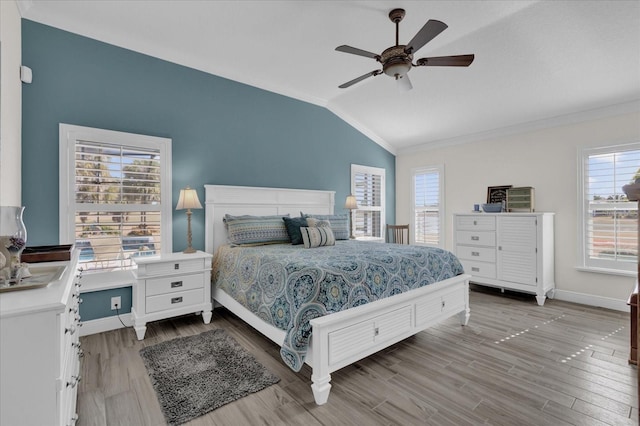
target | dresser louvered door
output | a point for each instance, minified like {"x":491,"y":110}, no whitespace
{"x":517,"y":260}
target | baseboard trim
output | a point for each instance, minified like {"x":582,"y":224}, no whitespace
{"x":101,"y":325}
{"x":591,"y":300}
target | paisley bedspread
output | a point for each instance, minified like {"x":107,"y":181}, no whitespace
{"x":288,"y":285}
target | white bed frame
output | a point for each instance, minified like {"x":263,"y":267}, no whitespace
{"x":345,"y":337}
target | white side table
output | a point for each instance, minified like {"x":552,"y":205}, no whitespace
{"x":171,"y":285}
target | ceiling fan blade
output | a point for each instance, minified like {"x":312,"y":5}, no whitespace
{"x":355,"y":51}
{"x":446,"y":61}
{"x":359,"y":79}
{"x":430,"y":30}
{"x":403,"y":83}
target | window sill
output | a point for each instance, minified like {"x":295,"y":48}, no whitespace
{"x":607,"y":271}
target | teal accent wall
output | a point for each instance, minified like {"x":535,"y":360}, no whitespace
{"x":223,"y":132}
{"x":97,"y":304}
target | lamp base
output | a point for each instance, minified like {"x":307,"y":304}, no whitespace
{"x":189,"y":250}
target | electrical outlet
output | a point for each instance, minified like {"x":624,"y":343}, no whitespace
{"x":116,"y":301}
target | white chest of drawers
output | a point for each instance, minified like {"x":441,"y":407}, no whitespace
{"x":40,"y":350}
{"x":512,"y":251}
{"x":171,"y":285}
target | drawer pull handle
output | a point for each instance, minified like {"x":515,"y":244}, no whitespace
{"x":475,"y":238}
{"x":475,"y":269}
{"x":176,"y":266}
{"x":443,"y":303}
{"x":475,"y":253}
{"x":176,"y":284}
{"x":71,"y":330}
{"x":176,"y":300}
{"x":376,"y":331}
{"x":475,"y":222}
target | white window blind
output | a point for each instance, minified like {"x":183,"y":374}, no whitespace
{"x":368,"y":186}
{"x":609,"y":220}
{"x":427,"y":206}
{"x":116,"y":209}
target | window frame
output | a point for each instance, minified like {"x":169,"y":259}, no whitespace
{"x":439,"y":168}
{"x":612,"y":267}
{"x":68,"y":136}
{"x":357,"y":169}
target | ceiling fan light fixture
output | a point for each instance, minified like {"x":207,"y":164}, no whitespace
{"x":403,"y":83}
{"x":397,"y":69}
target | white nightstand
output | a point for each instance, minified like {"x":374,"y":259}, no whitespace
{"x":171,"y":285}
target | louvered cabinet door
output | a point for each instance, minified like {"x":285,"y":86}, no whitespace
{"x":517,"y":249}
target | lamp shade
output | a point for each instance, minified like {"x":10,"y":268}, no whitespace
{"x":351,"y":202}
{"x":188,"y":199}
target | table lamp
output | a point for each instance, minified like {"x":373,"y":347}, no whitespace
{"x":188,"y":200}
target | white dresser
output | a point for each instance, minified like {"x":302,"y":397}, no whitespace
{"x":512,"y":251}
{"x":40,"y":349}
{"x":171,"y":285}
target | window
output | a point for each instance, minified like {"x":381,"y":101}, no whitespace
{"x":368,"y":186}
{"x":115,"y":196}
{"x":608,"y":219}
{"x":428,"y":205}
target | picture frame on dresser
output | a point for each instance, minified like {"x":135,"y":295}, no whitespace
{"x":497,"y":194}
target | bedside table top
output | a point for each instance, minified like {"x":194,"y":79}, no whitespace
{"x":171,"y":257}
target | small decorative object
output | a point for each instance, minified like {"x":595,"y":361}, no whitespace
{"x":520,"y":199}
{"x":476,"y":207}
{"x":188,"y":200}
{"x":13,"y":238}
{"x":497,"y":194}
{"x":351,"y":204}
{"x":492,"y":207}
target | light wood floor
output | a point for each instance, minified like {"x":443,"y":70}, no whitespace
{"x":516,"y":363}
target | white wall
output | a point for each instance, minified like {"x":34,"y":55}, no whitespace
{"x":10,"y":104}
{"x":545,"y":159}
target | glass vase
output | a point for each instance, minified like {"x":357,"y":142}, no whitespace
{"x":13,"y":239}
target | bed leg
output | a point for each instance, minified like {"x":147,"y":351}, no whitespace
{"x":321,"y":388}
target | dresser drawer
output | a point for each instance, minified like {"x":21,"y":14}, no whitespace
{"x":181,"y":299}
{"x":479,"y":269}
{"x":476,"y":238}
{"x":173,"y":267}
{"x":479,"y":254}
{"x":476,"y":223}
{"x":176,"y":284}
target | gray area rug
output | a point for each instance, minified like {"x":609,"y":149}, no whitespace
{"x":197,"y":374}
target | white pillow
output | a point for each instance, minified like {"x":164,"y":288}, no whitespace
{"x":316,"y":237}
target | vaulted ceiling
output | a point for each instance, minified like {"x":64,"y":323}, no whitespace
{"x":534,"y":60}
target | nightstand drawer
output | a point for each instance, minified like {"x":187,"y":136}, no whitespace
{"x":174,"y":267}
{"x":175,"y":284}
{"x":479,"y":254}
{"x":476,"y":238}
{"x":174,"y":300}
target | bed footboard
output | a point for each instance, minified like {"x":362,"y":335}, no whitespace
{"x":345,"y":337}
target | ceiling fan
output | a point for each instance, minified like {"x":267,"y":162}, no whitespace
{"x":397,"y":60}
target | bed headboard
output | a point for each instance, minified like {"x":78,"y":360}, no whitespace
{"x":243,"y":200}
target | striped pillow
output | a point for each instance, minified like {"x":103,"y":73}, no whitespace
{"x":339,"y":223}
{"x":255,"y":230}
{"x":316,"y":237}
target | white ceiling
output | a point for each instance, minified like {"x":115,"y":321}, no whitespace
{"x":534,"y":60}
